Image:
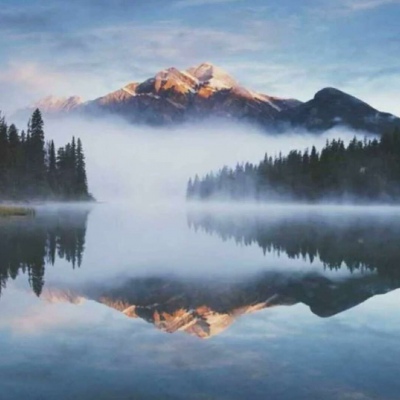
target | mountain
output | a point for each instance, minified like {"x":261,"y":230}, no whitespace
{"x":331,"y":107}
{"x":174,"y":96}
{"x":206,"y":91}
{"x":52,"y":104}
{"x":204,"y":309}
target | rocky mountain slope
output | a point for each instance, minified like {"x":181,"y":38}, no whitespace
{"x":173,"y":96}
{"x":331,"y":107}
{"x":53,"y":104}
{"x":206,"y":91}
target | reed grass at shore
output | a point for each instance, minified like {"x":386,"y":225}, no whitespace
{"x":15,"y":211}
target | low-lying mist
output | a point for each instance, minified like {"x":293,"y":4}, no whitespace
{"x":145,"y":164}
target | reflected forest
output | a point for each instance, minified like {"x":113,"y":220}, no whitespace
{"x":359,"y":242}
{"x":27,"y":245}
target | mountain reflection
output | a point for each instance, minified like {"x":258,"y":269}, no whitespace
{"x":205,"y":308}
{"x":27,"y":245}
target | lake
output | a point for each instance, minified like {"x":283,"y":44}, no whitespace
{"x":117,"y":301}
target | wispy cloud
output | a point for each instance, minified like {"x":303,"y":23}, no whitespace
{"x":30,"y":75}
{"x":289,"y":47}
{"x":360,"y":5}
{"x":197,"y":3}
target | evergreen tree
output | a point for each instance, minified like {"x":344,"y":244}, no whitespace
{"x":4,"y":154}
{"x":14,"y":161}
{"x":52,"y":168}
{"x":81,"y":178}
{"x":31,"y":169}
{"x":37,"y":152}
{"x":367,"y":170}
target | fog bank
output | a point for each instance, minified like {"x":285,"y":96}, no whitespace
{"x":145,"y":164}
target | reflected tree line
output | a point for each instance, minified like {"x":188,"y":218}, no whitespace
{"x":27,"y":245}
{"x":362,"y":242}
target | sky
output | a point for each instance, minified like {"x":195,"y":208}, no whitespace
{"x":286,"y":48}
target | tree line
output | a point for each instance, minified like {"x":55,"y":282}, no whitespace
{"x":366,"y":169}
{"x":31,"y":168}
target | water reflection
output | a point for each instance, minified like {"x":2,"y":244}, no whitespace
{"x":205,"y":308}
{"x":356,"y":240}
{"x":362,"y":247}
{"x":28,"y":244}
{"x":359,"y":255}
{"x":95,"y":325}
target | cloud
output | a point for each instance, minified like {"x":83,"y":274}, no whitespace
{"x":31,"y":76}
{"x":288,"y":51}
{"x":196,"y":3}
{"x":172,"y":40}
{"x":361,"y":5}
{"x":347,"y":8}
{"x":23,"y":20}
{"x":94,"y":61}
{"x":24,"y":82}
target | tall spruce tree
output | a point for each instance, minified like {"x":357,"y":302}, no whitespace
{"x":4,"y":153}
{"x":14,"y":161}
{"x":37,"y":151}
{"x":52,"y":168}
{"x":81,"y":178}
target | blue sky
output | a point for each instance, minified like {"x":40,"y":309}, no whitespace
{"x":288,"y":48}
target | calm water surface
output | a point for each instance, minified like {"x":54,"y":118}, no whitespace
{"x":118,"y":302}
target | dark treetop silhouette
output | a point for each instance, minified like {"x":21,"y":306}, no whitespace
{"x":30,"y":168}
{"x":366,"y":170}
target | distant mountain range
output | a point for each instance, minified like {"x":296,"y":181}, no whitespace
{"x":207,"y":91}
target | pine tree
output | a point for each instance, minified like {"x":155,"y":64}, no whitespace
{"x":37,"y":151}
{"x":81,"y":178}
{"x":368,"y":170}
{"x":31,"y":169}
{"x":52,"y":168}
{"x":14,"y":160}
{"x":4,"y":154}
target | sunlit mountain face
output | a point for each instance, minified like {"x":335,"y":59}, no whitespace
{"x":347,"y":259}
{"x":172,"y":96}
{"x":205,"y":91}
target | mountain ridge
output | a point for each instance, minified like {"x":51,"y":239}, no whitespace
{"x":205,"y":91}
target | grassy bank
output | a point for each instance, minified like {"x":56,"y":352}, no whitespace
{"x":15,"y":211}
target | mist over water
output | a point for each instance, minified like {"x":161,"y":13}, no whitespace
{"x":145,"y":164}
{"x":122,"y":292}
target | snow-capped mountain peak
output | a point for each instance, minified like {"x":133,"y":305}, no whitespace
{"x":173,"y":95}
{"x":180,"y":81}
{"x":212,"y":75}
